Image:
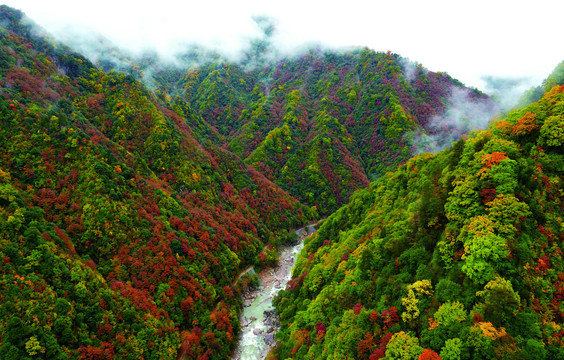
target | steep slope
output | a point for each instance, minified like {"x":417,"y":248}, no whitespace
{"x":457,"y":253}
{"x":120,"y":233}
{"x":324,"y":123}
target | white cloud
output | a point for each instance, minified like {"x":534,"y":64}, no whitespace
{"x":469,"y":40}
{"x":464,"y":113}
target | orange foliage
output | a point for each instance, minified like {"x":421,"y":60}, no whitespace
{"x":221,"y":320}
{"x":492,"y":159}
{"x":554,"y":91}
{"x":489,"y":331}
{"x":104,"y":352}
{"x":525,"y":125}
{"x":66,"y":240}
{"x":365,"y":346}
{"x":374,"y":316}
{"x":504,"y":126}
{"x":429,"y":354}
{"x":301,"y":337}
{"x":432,"y":323}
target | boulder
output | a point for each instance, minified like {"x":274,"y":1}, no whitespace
{"x":269,"y":339}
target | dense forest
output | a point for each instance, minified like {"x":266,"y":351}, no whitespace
{"x":325,"y":123}
{"x":133,"y":192}
{"x":120,"y":233}
{"x":319,"y":123}
{"x":455,"y":255}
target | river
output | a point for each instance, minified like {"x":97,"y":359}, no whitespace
{"x":258,"y":322}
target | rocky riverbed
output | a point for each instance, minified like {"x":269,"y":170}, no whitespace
{"x":259,"y":322}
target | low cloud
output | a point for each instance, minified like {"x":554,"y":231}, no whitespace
{"x":507,"y":90}
{"x":464,"y":112}
{"x":409,"y":69}
{"x":465,"y":52}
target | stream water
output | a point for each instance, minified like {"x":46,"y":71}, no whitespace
{"x":258,"y":321}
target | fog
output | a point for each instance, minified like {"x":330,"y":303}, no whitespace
{"x":463,"y":113}
{"x":471,"y":41}
{"x":502,"y":48}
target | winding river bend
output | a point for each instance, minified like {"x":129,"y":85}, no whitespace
{"x":258,"y":322}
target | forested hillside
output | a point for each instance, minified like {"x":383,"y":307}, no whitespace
{"x":120,"y":233}
{"x":133,"y":192}
{"x":456,"y":254}
{"x":325,"y":123}
{"x":320,"y":123}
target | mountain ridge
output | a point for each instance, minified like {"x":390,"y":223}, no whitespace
{"x":130,"y":201}
{"x":364,"y":107}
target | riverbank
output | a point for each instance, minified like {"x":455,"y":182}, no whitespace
{"x":276,"y":277}
{"x":258,"y":320}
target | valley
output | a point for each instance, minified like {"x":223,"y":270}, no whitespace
{"x":148,"y":208}
{"x":259,"y":323}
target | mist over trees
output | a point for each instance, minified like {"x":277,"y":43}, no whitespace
{"x":134,"y":190}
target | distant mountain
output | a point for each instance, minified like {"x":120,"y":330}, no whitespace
{"x":535,"y":93}
{"x":120,"y":232}
{"x":323,"y":124}
{"x":455,"y":255}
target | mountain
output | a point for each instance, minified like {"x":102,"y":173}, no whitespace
{"x":324,"y":123}
{"x":130,"y":201}
{"x":120,"y":232}
{"x":536,"y":92}
{"x":456,"y":254}
{"x":321,"y":123}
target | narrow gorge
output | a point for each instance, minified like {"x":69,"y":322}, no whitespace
{"x":259,"y":322}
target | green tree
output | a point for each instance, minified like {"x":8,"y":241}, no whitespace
{"x":449,"y":313}
{"x":500,"y":301}
{"x":482,"y":249}
{"x":403,"y":346}
{"x":505,"y":211}
{"x":534,"y":349}
{"x":452,"y":349}
{"x":552,"y":132}
{"x":447,"y":290}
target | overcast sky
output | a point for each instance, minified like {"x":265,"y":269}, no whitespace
{"x":467,"y":39}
